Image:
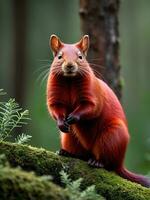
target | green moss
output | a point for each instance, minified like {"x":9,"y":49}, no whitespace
{"x":30,"y":158}
{"x":16,"y":184}
{"x":109,"y":184}
{"x":42,"y":162}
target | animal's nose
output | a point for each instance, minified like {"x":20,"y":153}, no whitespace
{"x":70,"y":66}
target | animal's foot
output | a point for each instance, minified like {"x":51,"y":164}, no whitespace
{"x":63,"y":152}
{"x":95,"y":163}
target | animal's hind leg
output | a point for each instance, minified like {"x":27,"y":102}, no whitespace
{"x":70,"y":146}
{"x":109,"y":149}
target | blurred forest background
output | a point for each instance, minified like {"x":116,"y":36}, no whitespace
{"x":29,"y":23}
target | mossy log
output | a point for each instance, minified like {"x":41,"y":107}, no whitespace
{"x":16,"y":184}
{"x":43,"y":162}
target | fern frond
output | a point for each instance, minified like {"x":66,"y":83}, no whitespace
{"x":11,"y":117}
{"x":75,"y":185}
{"x":65,"y":178}
{"x":74,"y":191}
{"x":23,"y":138}
{"x":2,"y":92}
{"x":90,"y":193}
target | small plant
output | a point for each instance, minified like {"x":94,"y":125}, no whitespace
{"x":2,"y":92}
{"x":23,"y":138}
{"x":11,"y":117}
{"x":73,"y":188}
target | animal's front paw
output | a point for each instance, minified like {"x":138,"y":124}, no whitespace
{"x":95,"y":163}
{"x":63,"y":152}
{"x":72,"y":119}
{"x":63,"y":126}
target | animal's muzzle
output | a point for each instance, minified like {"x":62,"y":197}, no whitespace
{"x":69,"y":68}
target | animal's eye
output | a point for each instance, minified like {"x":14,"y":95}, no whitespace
{"x":59,"y":57}
{"x":80,"y":57}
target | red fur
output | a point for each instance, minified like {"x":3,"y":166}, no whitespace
{"x":100,"y":127}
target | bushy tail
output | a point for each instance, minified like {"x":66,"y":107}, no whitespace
{"x":133,"y":177}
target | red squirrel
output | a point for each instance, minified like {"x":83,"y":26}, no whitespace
{"x":91,"y":119}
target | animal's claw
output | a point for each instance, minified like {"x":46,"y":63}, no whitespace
{"x":72,"y":119}
{"x":95,"y":163}
{"x":64,"y":127}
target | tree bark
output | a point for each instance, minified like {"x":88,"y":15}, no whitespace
{"x":99,"y":19}
{"x":44,"y":162}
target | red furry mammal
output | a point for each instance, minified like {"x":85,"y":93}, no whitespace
{"x":90,"y":117}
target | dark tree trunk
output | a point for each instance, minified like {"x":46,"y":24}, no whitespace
{"x":99,"y":19}
{"x":19,"y":64}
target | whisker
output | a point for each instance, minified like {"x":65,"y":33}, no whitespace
{"x":97,"y":65}
{"x":98,"y":74}
{"x":44,"y":78}
{"x":98,"y":59}
{"x":83,"y":72}
{"x":57,"y":73}
{"x":56,"y":70}
{"x":50,"y":60}
{"x":41,"y":68}
{"x":96,"y":68}
{"x":41,"y":75}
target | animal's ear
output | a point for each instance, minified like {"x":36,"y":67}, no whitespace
{"x":55,"y":44}
{"x":83,"y":44}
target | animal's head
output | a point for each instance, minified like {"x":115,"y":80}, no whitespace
{"x":69,"y":59}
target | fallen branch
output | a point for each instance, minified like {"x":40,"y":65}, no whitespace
{"x":43,"y":162}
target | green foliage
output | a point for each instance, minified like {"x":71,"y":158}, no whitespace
{"x":73,"y":188}
{"x":2,"y":92}
{"x":46,"y":178}
{"x":11,"y":117}
{"x":3,"y":161}
{"x":23,"y":138}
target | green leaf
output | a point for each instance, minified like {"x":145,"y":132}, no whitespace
{"x":12,"y":116}
{"x":23,"y":138}
{"x":74,"y":191}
